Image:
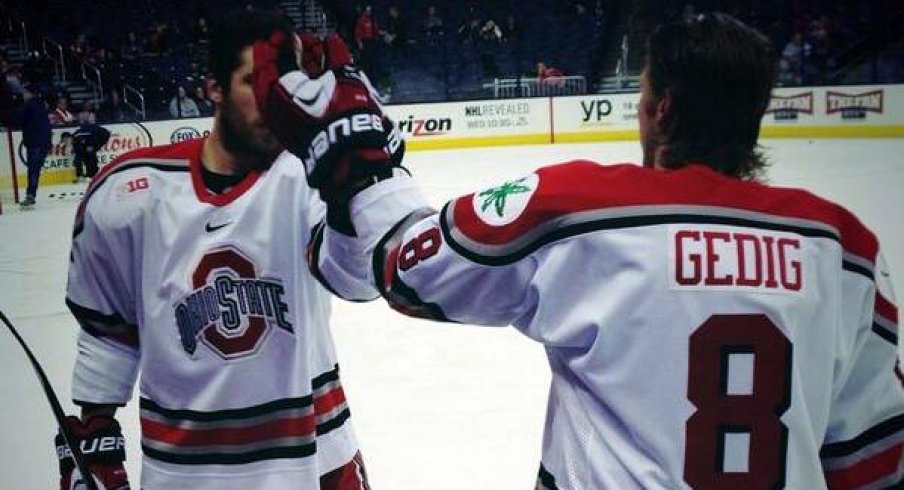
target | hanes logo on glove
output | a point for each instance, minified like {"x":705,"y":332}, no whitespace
{"x":333,"y":123}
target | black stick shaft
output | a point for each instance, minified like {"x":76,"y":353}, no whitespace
{"x":54,"y":406}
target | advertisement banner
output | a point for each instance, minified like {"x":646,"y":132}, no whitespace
{"x":794,"y":112}
{"x":123,"y":138}
{"x":476,"y":123}
{"x":597,"y":117}
{"x":798,"y":112}
{"x":854,"y":111}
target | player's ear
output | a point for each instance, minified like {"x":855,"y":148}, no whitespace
{"x":214,"y":90}
{"x":663,"y":109}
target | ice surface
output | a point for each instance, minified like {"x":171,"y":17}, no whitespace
{"x":435,"y":406}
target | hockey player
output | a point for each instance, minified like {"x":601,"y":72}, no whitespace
{"x":86,"y":142}
{"x":704,"y":330}
{"x":188,"y":266}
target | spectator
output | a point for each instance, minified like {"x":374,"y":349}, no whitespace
{"x":88,"y":113}
{"x":688,"y":12}
{"x":112,"y":109}
{"x":366,"y":30}
{"x":433,"y":25}
{"x":821,"y":54}
{"x":12,"y":75}
{"x":546,"y":72}
{"x":61,"y":115}
{"x":36,"y":135}
{"x":131,"y":48}
{"x":511,"y":32}
{"x":205,"y":106}
{"x":181,"y":105}
{"x":159,"y":43}
{"x":80,"y":48}
{"x":549,"y":77}
{"x":469,"y":29}
{"x":793,"y":59}
{"x":490,"y":33}
{"x":201,"y":32}
{"x":37,"y":71}
{"x":367,"y":40}
{"x":396,"y":33}
{"x":86,"y":142}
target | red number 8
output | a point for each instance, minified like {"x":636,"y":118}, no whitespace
{"x":420,"y":248}
{"x":719,"y":413}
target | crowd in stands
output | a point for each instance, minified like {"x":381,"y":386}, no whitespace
{"x":438,"y":50}
{"x":814,"y":38}
{"x":419,"y":50}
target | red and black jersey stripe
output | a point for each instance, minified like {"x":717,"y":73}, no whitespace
{"x":178,"y":157}
{"x":98,"y":324}
{"x":870,"y":460}
{"x":280,"y":429}
{"x":885,"y":319}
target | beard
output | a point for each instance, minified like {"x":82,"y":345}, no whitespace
{"x":255,"y":147}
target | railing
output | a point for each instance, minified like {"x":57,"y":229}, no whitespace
{"x":91,"y":76}
{"x":128,"y":93}
{"x":24,"y":35}
{"x":622,"y":68}
{"x":534,"y":87}
{"x":59,"y":60}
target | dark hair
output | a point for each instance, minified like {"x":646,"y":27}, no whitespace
{"x":235,"y":32}
{"x":718,"y":73}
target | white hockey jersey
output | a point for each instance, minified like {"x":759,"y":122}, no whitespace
{"x":703,"y":332}
{"x":210,"y":298}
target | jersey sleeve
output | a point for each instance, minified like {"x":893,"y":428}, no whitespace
{"x":100,"y":296}
{"x":864,"y":445}
{"x":344,"y":264}
{"x":407,"y":251}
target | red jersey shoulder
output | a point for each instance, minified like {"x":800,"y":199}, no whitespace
{"x":520,"y":207}
{"x":173,"y":157}
{"x":583,"y":194}
{"x":183,"y":151}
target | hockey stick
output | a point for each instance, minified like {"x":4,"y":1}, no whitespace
{"x":55,"y":407}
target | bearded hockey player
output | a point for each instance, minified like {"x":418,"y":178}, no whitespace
{"x":188,"y":268}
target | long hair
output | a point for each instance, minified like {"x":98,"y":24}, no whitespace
{"x":718,"y":73}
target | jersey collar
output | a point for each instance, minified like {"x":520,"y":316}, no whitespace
{"x":206,"y":196}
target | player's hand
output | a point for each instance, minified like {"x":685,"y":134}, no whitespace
{"x":103,"y":449}
{"x":334,"y":123}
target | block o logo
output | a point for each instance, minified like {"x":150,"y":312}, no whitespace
{"x":230,"y":309}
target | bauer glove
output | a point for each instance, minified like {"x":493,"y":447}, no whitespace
{"x":103,"y":449}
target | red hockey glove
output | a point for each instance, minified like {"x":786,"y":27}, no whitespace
{"x":333,"y":123}
{"x":103,"y":449}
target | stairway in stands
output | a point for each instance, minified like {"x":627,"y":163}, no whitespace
{"x":307,"y":15}
{"x":79,"y":91}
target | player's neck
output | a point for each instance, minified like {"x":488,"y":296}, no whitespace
{"x":216,"y":158}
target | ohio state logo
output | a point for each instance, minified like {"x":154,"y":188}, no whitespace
{"x":230,"y":310}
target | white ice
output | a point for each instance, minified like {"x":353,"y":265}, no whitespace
{"x":435,"y":406}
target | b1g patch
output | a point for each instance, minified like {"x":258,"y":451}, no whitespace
{"x":502,"y":205}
